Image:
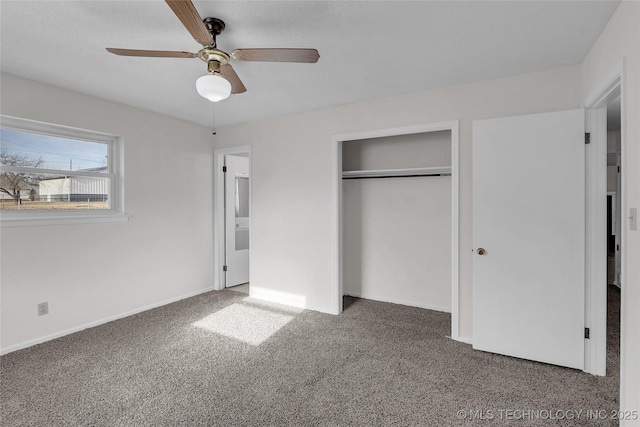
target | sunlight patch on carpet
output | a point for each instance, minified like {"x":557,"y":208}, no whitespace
{"x":249,"y":324}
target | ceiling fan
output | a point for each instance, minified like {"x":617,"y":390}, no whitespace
{"x":221,"y":79}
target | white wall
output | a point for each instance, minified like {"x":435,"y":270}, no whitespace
{"x":397,"y":231}
{"x":397,"y":240}
{"x":90,"y":272}
{"x":621,"y":39}
{"x":415,"y":150}
{"x":293,"y":204}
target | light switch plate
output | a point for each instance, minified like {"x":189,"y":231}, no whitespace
{"x":633,"y":219}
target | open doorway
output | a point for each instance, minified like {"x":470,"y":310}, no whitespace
{"x":232,"y":218}
{"x":614,"y":229}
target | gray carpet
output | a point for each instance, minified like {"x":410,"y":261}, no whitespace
{"x":223,"y":359}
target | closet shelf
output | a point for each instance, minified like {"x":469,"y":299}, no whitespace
{"x":397,"y":173}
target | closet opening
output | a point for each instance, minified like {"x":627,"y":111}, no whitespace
{"x":397,"y":194}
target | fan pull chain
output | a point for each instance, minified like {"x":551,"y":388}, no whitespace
{"x":214,"y":131}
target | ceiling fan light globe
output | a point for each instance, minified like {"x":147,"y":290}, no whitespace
{"x":213,"y":87}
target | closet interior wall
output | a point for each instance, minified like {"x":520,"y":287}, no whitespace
{"x":397,"y":230}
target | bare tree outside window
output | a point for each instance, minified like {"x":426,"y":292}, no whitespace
{"x":13,"y":183}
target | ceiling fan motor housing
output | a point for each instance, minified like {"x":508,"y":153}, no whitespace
{"x":214,"y":58}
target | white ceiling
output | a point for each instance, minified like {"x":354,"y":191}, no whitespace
{"x":367,"y":49}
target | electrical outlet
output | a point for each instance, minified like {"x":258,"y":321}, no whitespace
{"x":43,"y":308}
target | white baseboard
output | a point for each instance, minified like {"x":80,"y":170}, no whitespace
{"x":40,"y":340}
{"x":401,"y":302}
{"x":465,"y":340}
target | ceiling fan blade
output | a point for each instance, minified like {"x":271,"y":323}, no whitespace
{"x":190,"y":18}
{"x":277,"y":55}
{"x":229,"y":73}
{"x":152,"y":53}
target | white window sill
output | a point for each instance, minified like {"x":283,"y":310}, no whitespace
{"x":35,"y":220}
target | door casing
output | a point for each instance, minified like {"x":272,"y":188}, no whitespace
{"x":596,"y":220}
{"x":218,"y":212}
{"x":236,"y":260}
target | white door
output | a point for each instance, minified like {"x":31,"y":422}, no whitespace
{"x":236,"y":219}
{"x":529,"y":220}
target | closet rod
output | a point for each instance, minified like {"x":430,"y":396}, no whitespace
{"x":397,"y":173}
{"x":393,"y":176}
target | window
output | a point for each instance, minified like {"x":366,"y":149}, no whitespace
{"x":56,"y":174}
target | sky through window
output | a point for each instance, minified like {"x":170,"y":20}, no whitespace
{"x":55,"y":152}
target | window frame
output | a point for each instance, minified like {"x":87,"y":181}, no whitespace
{"x":115,"y":175}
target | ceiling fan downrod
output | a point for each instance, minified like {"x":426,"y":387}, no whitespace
{"x":215,"y":27}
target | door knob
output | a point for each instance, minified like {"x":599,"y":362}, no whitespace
{"x":481,"y":251}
